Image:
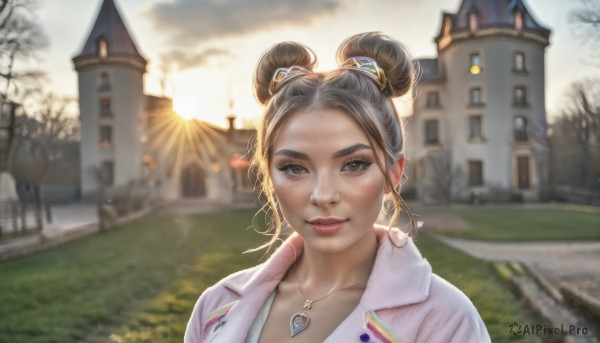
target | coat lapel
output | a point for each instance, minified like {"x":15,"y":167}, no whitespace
{"x":400,"y":277}
{"x":256,"y":290}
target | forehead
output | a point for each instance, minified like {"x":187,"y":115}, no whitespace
{"x":323,"y":129}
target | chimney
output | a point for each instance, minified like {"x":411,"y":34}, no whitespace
{"x":231,"y":119}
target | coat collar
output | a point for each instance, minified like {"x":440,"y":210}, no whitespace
{"x":400,"y":275}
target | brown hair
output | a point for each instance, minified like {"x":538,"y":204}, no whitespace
{"x":345,"y":89}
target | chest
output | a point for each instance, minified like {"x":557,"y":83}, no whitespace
{"x":312,"y":323}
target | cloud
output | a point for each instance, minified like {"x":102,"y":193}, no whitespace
{"x":195,"y":21}
{"x":184,"y":59}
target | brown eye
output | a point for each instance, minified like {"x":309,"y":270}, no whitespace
{"x":356,"y":165}
{"x":292,"y":169}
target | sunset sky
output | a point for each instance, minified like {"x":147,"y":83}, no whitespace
{"x":206,"y":50}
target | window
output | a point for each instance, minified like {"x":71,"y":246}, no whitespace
{"x":433,"y":99}
{"x":473,"y":21}
{"x":475,"y":127}
{"x":475,"y":96}
{"x":520,"y":96}
{"x":523,"y":172}
{"x":519,"y":61}
{"x":102,"y":48}
{"x":475,"y":173}
{"x":105,"y":137}
{"x":475,"y":64}
{"x":105,"y":110}
{"x":431,"y":131}
{"x":518,"y":21}
{"x":104,"y":83}
{"x":520,"y":129}
{"x":108,"y":173}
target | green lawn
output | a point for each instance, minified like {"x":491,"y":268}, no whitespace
{"x":65,"y":294}
{"x":503,"y":224}
{"x":496,"y":304}
{"x":140,"y":282}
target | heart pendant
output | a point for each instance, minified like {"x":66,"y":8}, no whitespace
{"x":298,"y":322}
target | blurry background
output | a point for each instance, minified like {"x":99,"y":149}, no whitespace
{"x":111,"y":110}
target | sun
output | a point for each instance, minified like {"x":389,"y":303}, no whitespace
{"x":186,"y":107}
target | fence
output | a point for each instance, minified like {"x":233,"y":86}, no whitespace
{"x":19,"y":217}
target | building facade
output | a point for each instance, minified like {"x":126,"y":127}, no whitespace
{"x":478,"y":129}
{"x":133,"y":141}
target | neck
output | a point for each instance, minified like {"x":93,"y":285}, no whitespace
{"x":319,"y":273}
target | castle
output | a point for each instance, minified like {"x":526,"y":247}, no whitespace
{"x":131,"y":140}
{"x":479,"y":124}
{"x":478,"y":129}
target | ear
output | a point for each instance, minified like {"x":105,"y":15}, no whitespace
{"x":395,"y":173}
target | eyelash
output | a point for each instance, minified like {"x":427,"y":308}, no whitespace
{"x":363,"y":165}
{"x":287,"y":167}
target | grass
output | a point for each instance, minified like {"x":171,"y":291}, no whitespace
{"x":141,"y":282}
{"x":496,"y":304}
{"x":65,"y":294}
{"x":501,"y":224}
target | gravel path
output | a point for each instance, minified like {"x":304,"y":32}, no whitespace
{"x":573,"y":263}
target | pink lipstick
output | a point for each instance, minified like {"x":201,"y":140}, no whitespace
{"x":326,"y":226}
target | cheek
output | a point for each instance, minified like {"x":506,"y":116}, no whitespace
{"x":367,"y":192}
{"x":291,"y":195}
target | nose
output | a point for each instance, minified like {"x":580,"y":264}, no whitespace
{"x":324,"y":192}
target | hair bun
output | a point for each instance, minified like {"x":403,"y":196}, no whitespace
{"x":391,"y":56}
{"x":280,"y":55}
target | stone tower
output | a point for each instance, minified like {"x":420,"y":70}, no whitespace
{"x":481,"y":105}
{"x":112,"y":104}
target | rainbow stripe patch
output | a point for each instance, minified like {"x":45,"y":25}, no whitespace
{"x":216,"y":315}
{"x":380,"y":330}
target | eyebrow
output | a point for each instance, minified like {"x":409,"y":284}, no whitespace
{"x":344,"y":152}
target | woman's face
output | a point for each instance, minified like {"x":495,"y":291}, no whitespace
{"x":326,"y":179}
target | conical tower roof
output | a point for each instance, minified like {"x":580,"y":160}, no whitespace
{"x":110,"y":26}
{"x":495,"y":13}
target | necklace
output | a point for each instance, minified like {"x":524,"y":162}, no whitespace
{"x":301,"y":320}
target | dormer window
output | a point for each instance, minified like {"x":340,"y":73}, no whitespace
{"x":447,"y":26}
{"x":518,"y":21}
{"x":102,"y":48}
{"x":473,"y":21}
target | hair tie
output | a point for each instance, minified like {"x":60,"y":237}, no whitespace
{"x":283,"y":75}
{"x":367,"y":66}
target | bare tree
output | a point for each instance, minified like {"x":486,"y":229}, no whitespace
{"x":42,"y":137}
{"x":576,"y":136}
{"x":443,"y":175}
{"x":20,"y":38}
{"x":586,"y":23}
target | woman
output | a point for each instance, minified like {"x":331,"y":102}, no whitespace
{"x":329,"y":149}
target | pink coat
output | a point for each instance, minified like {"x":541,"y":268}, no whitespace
{"x":403,"y":301}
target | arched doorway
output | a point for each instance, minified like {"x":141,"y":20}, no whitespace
{"x":192,"y":181}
